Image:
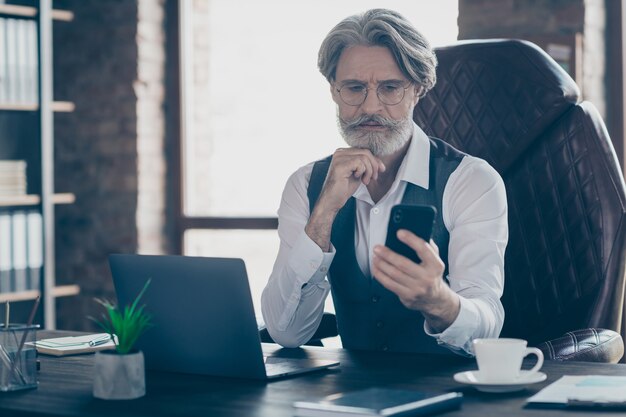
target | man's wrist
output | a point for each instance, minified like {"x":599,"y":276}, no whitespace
{"x":442,"y":313}
{"x":320,"y":225}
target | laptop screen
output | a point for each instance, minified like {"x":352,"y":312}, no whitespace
{"x":202,"y":312}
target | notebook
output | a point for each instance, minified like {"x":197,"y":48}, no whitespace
{"x":203,"y":317}
{"x":75,"y":345}
{"x":387,"y":402}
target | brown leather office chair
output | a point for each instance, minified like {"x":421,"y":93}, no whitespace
{"x":509,"y":103}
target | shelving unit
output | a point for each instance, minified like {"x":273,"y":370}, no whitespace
{"x":58,"y":291}
{"x":25,"y":11}
{"x":34,"y":124}
{"x":34,"y":199}
{"x":57,"y":106}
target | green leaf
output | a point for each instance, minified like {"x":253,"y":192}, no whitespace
{"x":128,"y":324}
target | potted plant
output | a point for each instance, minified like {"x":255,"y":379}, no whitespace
{"x":120,"y":374}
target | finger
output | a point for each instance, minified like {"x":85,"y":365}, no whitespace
{"x":394,"y":273}
{"x":375,"y":162}
{"x":381,"y":166}
{"x":356,"y":165}
{"x":434,"y":246}
{"x":371,"y":162}
{"x":402,"y":263}
{"x":429,"y":256}
{"x":369,"y":170}
{"x":388,"y":282}
{"x":358,"y":168}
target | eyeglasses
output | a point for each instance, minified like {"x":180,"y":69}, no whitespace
{"x":388,"y":92}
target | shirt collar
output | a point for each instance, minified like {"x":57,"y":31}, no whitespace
{"x":416,"y":172}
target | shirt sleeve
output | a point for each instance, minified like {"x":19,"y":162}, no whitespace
{"x":292,"y":302}
{"x":474,"y":211}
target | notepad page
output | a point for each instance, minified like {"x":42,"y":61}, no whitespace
{"x":583,"y":388}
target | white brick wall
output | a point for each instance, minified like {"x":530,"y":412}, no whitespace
{"x":151,"y":163}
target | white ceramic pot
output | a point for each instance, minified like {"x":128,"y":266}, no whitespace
{"x":119,"y":377}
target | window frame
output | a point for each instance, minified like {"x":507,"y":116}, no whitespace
{"x":175,"y":113}
{"x":180,"y":222}
{"x":616,"y":72}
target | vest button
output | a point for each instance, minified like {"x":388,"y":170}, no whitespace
{"x":375,"y":299}
{"x":379,"y":324}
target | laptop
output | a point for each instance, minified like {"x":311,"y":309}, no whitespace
{"x":203,"y":317}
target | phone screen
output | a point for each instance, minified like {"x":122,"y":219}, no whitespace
{"x":414,"y":218}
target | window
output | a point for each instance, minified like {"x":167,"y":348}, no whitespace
{"x":245,"y":127}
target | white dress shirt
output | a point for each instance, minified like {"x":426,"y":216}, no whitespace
{"x":474,"y":211}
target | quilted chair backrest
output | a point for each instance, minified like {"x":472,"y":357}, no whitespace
{"x":509,"y":103}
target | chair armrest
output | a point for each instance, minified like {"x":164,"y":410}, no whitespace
{"x":327,"y":328}
{"x":587,"y":345}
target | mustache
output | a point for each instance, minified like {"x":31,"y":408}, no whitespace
{"x":371,"y":118}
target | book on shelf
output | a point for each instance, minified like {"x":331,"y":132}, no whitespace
{"x":6,"y":253}
{"x":20,"y":247}
{"x":21,"y":250}
{"x":19,"y":72}
{"x":34,"y":222}
{"x":3,"y":63}
{"x":389,"y":402}
{"x":12,"y":178}
{"x":20,"y":64}
{"x":10,"y":58}
{"x":11,"y":164}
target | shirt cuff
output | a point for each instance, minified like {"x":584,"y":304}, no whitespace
{"x":309,"y":266}
{"x":458,"y":336}
{"x":308,"y":261}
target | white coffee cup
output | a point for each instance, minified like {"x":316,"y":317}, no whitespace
{"x":500,"y":360}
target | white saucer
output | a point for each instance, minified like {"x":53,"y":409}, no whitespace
{"x":474,"y":378}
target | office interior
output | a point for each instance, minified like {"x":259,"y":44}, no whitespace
{"x":141,"y":154}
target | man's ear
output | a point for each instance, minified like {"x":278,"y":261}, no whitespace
{"x":417,"y":92}
{"x":334,"y":93}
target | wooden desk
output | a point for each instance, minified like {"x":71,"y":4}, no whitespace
{"x":65,"y":387}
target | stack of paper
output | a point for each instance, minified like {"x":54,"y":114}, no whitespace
{"x":586,"y":390}
{"x":73,"y":345}
{"x":12,"y":178}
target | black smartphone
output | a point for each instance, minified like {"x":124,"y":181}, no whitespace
{"x":414,"y":218}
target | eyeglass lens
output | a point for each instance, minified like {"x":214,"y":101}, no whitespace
{"x":389,"y":93}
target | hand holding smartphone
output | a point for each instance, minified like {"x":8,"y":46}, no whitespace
{"x":414,"y":218}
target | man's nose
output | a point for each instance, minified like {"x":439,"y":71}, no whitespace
{"x":372,"y":103}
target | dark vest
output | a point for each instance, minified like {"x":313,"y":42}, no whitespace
{"x":369,"y":316}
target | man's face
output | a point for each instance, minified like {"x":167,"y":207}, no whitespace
{"x":381,"y":128}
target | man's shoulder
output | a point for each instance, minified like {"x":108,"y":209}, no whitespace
{"x":442,"y":149}
{"x":469,"y":165}
{"x":477,"y":169}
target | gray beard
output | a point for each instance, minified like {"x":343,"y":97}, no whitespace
{"x":379,"y":143}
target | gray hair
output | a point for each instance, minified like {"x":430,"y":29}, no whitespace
{"x":381,"y":27}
